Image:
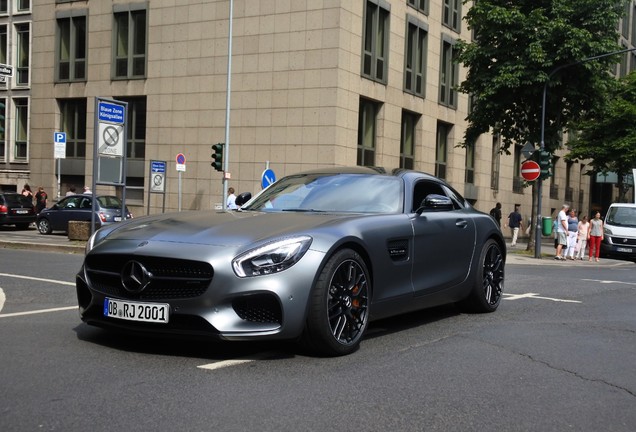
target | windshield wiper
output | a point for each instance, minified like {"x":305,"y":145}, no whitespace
{"x":303,"y":210}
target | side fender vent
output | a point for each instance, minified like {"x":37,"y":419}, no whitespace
{"x":399,"y":250}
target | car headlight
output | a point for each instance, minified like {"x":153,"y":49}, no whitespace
{"x":271,"y":258}
{"x":607,"y":231}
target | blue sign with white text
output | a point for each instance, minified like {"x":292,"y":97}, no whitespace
{"x":112,"y":113}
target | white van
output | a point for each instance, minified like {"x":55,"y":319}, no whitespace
{"x":619,"y":238}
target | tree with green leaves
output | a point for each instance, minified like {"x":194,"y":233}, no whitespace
{"x":521,"y":47}
{"x":517,"y":44}
{"x":607,"y":135}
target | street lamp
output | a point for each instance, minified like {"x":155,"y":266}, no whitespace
{"x":537,"y":237}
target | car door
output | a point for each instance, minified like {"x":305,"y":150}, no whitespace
{"x":444,"y":241}
{"x":65,"y":211}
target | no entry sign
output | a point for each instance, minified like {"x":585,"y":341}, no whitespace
{"x":530,"y":170}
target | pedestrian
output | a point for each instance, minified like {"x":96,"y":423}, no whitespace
{"x":87,"y":190}
{"x":562,"y":231}
{"x":26,"y":191}
{"x":495,"y":212}
{"x":573,"y":228}
{"x":555,"y":227}
{"x":231,"y":199}
{"x":581,"y":237}
{"x":515,"y":222}
{"x":71,"y":191}
{"x":40,"y":200}
{"x":595,"y":236}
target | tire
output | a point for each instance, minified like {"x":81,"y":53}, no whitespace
{"x":44,"y":226}
{"x":488,"y":283}
{"x":338,"y":312}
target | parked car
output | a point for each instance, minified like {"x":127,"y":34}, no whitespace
{"x":16,"y":209}
{"x":619,"y":236}
{"x":314,"y":257}
{"x":79,"y":208}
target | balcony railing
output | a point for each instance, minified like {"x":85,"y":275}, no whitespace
{"x":518,"y":184}
{"x":554,"y":191}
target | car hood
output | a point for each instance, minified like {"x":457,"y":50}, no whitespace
{"x":222,"y":228}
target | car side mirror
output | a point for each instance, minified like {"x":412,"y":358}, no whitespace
{"x":435,"y":202}
{"x":242,"y":198}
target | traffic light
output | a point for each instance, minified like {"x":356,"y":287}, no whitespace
{"x":217,"y":156}
{"x":545,"y":163}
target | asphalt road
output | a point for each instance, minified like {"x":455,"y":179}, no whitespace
{"x":557,"y":355}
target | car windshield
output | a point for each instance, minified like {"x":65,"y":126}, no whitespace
{"x":622,"y":216}
{"x":109,"y":202}
{"x":355,"y":193}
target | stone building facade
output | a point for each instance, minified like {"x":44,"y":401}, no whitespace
{"x":314,"y":83}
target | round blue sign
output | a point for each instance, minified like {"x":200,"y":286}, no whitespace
{"x":267,"y":178}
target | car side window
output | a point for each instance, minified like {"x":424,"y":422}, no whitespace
{"x":71,"y":203}
{"x":423,"y":189}
{"x":86,"y":203}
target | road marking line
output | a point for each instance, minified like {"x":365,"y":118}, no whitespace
{"x":38,"y":311}
{"x":224,"y":364}
{"x":2,"y":298}
{"x":536,"y":296}
{"x":37,"y":279}
{"x":609,"y":282}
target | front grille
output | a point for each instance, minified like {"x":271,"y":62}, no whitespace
{"x":168,"y":278}
{"x":623,"y":241}
{"x":260,"y":308}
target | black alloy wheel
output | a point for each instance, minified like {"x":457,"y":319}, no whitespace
{"x":339,"y":307}
{"x":488,"y":283}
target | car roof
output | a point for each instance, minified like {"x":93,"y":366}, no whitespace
{"x":397,"y":172}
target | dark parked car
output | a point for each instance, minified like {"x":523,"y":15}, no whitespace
{"x":314,"y":257}
{"x":78,"y":208}
{"x":16,"y":209}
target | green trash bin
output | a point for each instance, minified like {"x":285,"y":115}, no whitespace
{"x":547,"y":226}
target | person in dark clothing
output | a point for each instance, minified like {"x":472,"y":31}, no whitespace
{"x":40,"y":200}
{"x":495,"y":212}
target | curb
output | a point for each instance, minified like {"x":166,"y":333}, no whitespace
{"x":74,"y":248}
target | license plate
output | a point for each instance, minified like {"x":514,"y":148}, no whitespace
{"x":22,"y":211}
{"x":117,"y":218}
{"x":136,"y":311}
{"x":626,"y":250}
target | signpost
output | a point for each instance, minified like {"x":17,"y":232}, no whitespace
{"x":181,"y":167}
{"x":157,"y":181}
{"x":59,"y":153}
{"x":530,"y":170}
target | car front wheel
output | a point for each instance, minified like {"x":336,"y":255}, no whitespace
{"x":338,"y":313}
{"x":44,"y":226}
{"x":488,"y":284}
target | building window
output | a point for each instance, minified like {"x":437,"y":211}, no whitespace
{"x":23,"y":43}
{"x":448,"y":76}
{"x":367,"y":119}
{"x":495,"y":162}
{"x":23,"y":5}
{"x":3,"y":124}
{"x":451,"y":14}
{"x":625,"y":27}
{"x":3,"y":51}
{"x":21,"y":129}
{"x":71,"y":46}
{"x":73,"y":120}
{"x":375,"y":40}
{"x":130,"y":44}
{"x":407,"y":140}
{"x":469,"y":176}
{"x":441,"y":149}
{"x":136,"y":133}
{"x":4,"y":7}
{"x":634,"y":25}
{"x":420,"y":5}
{"x":415,"y":58}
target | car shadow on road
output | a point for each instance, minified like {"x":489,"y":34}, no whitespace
{"x":211,"y":349}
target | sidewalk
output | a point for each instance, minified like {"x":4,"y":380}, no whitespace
{"x":31,"y":239}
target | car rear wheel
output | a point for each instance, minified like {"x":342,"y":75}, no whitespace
{"x":44,"y":226}
{"x":488,"y":285}
{"x":338,"y":313}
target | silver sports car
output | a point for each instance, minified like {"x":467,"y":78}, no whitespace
{"x":314,"y":258}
